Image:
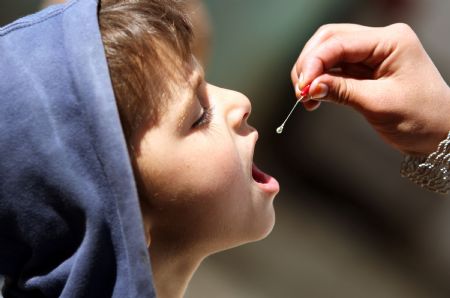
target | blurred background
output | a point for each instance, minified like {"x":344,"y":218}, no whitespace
{"x":347,"y":224}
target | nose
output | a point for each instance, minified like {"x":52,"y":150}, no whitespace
{"x":237,"y":108}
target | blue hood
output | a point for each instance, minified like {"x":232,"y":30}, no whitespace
{"x":70,"y":223}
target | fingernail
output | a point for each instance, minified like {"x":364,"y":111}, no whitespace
{"x":297,"y":90}
{"x":300,"y":81}
{"x":319,"y":91}
{"x":314,"y":107}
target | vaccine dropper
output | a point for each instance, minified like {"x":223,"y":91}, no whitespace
{"x":303,"y":94}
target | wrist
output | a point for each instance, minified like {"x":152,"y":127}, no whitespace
{"x":447,"y":113}
{"x":439,"y":124}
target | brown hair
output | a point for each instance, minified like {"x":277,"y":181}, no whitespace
{"x":144,"y":41}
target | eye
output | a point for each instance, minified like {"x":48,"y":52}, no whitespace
{"x":205,"y":118}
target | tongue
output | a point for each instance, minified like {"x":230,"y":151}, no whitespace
{"x":258,"y":175}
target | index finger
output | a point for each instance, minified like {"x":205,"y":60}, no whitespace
{"x":366,"y":47}
{"x":324,"y":33}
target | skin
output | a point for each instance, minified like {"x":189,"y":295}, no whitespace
{"x":198,"y":193}
{"x":385,"y":74}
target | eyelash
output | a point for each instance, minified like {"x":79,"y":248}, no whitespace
{"x":205,"y":118}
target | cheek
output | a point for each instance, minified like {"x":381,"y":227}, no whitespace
{"x":202,"y":169}
{"x":202,"y":199}
{"x":217,"y":172}
{"x":205,"y":183}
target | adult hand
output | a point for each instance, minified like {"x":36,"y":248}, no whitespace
{"x":385,"y":74}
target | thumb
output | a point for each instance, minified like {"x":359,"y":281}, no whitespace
{"x":356,"y":93}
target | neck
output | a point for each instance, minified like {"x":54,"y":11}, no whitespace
{"x":172,"y":271}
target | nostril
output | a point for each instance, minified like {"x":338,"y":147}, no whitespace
{"x":246,"y":115}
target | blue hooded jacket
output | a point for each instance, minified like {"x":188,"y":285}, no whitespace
{"x":70,"y":223}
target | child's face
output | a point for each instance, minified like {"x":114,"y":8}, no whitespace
{"x":197,"y":170}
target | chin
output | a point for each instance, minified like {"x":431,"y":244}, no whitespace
{"x":258,"y":232}
{"x":267,"y":228}
{"x":261,"y":226}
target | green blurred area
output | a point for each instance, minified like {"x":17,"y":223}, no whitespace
{"x":11,"y":10}
{"x":256,"y":42}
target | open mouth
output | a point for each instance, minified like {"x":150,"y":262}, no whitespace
{"x":258,"y":175}
{"x":266,"y":182}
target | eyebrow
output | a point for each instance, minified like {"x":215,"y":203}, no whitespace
{"x":197,"y":79}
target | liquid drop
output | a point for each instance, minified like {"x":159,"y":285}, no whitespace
{"x":280,"y":129}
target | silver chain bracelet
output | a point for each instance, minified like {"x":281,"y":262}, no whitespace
{"x":430,"y":172}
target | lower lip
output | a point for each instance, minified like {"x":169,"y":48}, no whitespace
{"x":266,"y":182}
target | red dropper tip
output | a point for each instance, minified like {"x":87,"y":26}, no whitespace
{"x":305,"y":90}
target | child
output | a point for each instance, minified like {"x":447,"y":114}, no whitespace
{"x":72,"y":225}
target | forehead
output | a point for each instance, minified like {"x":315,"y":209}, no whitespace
{"x":192,"y":72}
{"x":178,"y":101}
{"x":185,"y":79}
{"x":182,"y":88}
